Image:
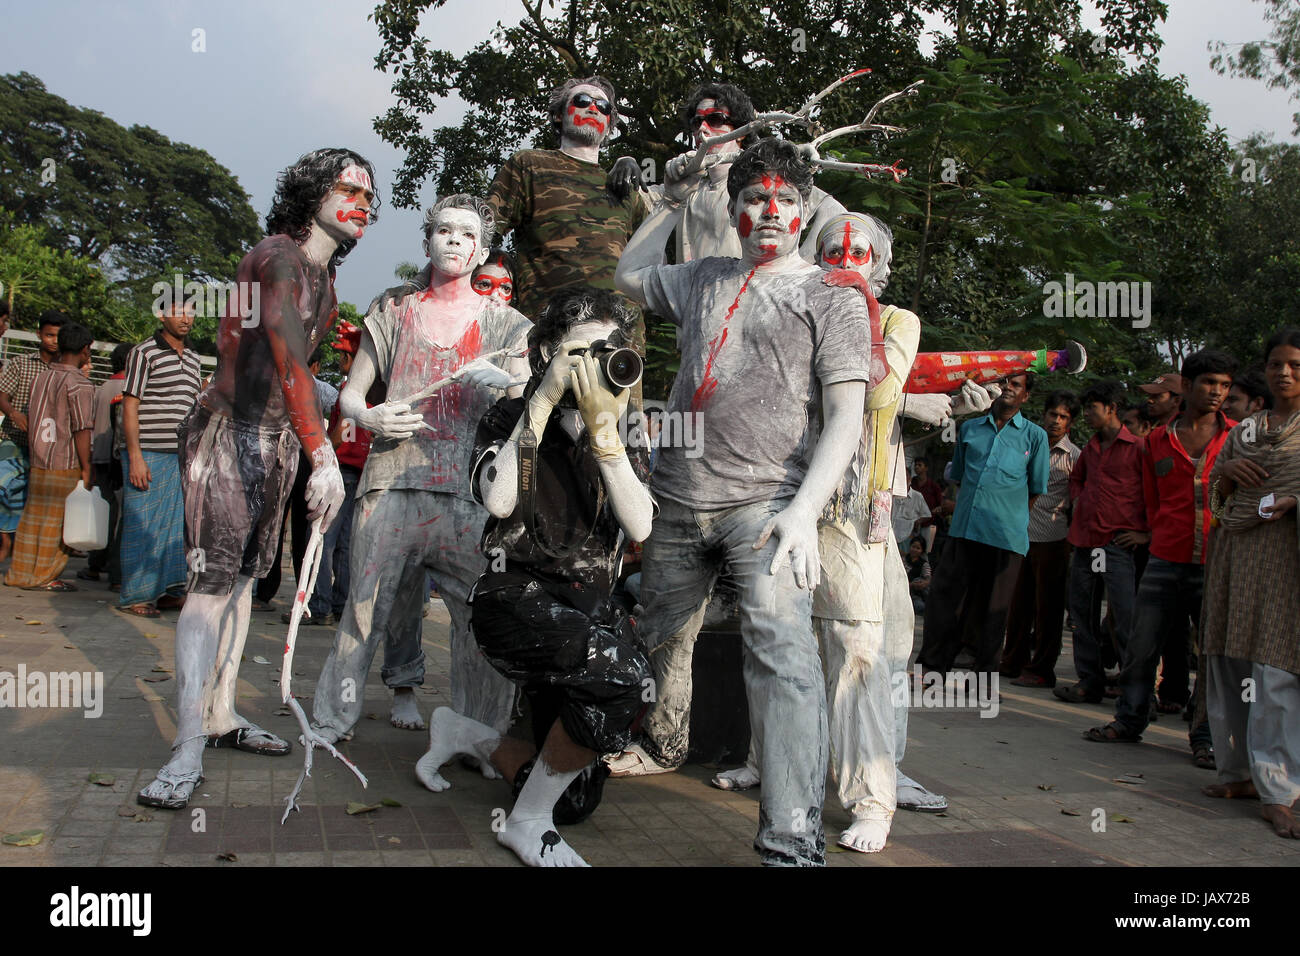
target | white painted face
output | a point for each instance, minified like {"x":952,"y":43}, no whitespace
{"x":713,"y":120}
{"x":767,"y":215}
{"x":345,"y":213}
{"x":585,"y":122}
{"x":851,"y":249}
{"x":454,"y":244}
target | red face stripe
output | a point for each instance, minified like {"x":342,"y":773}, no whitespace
{"x":746,"y":225}
{"x":581,"y":118}
{"x":794,"y":226}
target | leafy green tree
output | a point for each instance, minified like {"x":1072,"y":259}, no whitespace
{"x":1275,"y":60}
{"x":129,"y":199}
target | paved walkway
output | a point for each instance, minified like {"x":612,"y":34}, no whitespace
{"x":1024,"y":788}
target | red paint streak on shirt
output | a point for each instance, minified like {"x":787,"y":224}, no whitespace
{"x":710,"y":384}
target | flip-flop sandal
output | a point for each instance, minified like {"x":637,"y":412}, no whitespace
{"x":937,"y":803}
{"x":138,"y":610}
{"x":252,"y":740}
{"x":179,"y":789}
{"x":1112,"y":733}
{"x":54,"y":586}
{"x":1203,"y":757}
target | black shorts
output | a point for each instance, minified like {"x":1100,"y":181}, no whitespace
{"x":597,"y":666}
{"x":236,"y":479}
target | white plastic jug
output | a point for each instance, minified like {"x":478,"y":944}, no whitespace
{"x":85,"y":519}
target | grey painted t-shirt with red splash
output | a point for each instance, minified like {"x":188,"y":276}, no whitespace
{"x":437,"y":457}
{"x":756,"y":351}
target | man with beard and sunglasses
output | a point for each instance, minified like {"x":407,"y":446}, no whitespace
{"x":569,"y":228}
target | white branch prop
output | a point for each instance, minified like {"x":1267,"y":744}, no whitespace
{"x":444,"y":382}
{"x":311,"y":740}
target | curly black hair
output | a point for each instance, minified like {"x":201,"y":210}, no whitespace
{"x":571,"y":307}
{"x":775,"y":156}
{"x":727,"y":96}
{"x":302,"y":188}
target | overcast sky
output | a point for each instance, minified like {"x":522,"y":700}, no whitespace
{"x":280,"y":78}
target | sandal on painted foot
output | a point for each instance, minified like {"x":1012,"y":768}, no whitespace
{"x":915,"y":797}
{"x":138,"y":610}
{"x":170,"y":791}
{"x":1112,"y":733}
{"x":635,"y":762}
{"x":254,"y":740}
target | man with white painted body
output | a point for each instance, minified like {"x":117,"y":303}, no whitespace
{"x":240,"y":447}
{"x":766,"y":346}
{"x":705,"y":228}
{"x":866,"y":631}
{"x":415,"y":511}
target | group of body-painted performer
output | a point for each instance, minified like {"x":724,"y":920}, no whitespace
{"x":506,"y":466}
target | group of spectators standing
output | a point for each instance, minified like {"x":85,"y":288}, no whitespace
{"x":1179,"y":515}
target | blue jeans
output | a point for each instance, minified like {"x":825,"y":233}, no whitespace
{"x":1116,"y":576}
{"x":786,"y":693}
{"x":331,"y":592}
{"x":1169,"y":597}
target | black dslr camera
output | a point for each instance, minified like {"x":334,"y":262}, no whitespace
{"x":622,"y":366}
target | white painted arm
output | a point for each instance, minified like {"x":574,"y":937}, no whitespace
{"x":388,"y":419}
{"x":645,"y":250}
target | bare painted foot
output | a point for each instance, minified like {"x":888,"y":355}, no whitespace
{"x":1282,"y":819}
{"x":451,"y":734}
{"x":1239,"y":789}
{"x":867,"y":834}
{"x":406,"y":712}
{"x":537,"y":843}
{"x":742,"y":778}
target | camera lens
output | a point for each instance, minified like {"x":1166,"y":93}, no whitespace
{"x":622,"y":367}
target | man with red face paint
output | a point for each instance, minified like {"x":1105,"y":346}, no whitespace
{"x":415,"y":511}
{"x":706,"y":230}
{"x":239,"y":449}
{"x":767,"y":348}
{"x":569,"y":228}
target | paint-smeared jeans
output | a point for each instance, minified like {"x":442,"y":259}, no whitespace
{"x":331,"y":593}
{"x":683,"y":557}
{"x":1169,"y":596}
{"x":1114,"y":575}
{"x":399,"y":538}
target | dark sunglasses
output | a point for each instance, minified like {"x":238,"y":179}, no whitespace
{"x":712,"y":117}
{"x":583,"y":100}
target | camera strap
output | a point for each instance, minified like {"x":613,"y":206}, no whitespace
{"x":528,"y":496}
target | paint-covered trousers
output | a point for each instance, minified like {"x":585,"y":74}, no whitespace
{"x":683,"y":557}
{"x":399,"y":535}
{"x":1257,"y":738}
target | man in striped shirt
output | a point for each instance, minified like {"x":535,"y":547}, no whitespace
{"x":162,"y":381}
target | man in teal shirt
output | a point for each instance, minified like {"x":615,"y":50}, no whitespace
{"x":1001,"y":464}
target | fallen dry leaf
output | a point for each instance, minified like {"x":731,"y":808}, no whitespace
{"x":161,"y":670}
{"x":144,"y":816}
{"x":33,"y":622}
{"x":228,"y":857}
{"x":103,"y":779}
{"x":154,"y":680}
{"x":1070,"y":813}
{"x":259,"y":659}
{"x":237,"y":805}
{"x":394,"y":841}
{"x":1047,"y":786}
{"x":126,"y":811}
{"x":1119,"y":818}
{"x":389,"y":802}
{"x":150,"y":634}
{"x":354,"y":808}
{"x":23,"y":838}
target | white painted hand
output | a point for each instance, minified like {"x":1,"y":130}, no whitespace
{"x":796,"y":534}
{"x":324,"y":491}
{"x":974,"y":399}
{"x":484,"y":374}
{"x":391,"y":420}
{"x":929,"y":409}
{"x":677,"y":185}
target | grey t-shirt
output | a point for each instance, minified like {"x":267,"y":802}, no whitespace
{"x":756,"y":351}
{"x":437,"y":457}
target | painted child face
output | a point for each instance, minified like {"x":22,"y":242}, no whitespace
{"x":767,"y":214}
{"x":710,"y":120}
{"x":453,"y":243}
{"x":345,"y":213}
{"x":849,"y":250}
{"x":494,"y":279}
{"x":587,"y":115}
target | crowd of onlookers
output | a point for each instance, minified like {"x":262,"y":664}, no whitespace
{"x":1176,"y":518}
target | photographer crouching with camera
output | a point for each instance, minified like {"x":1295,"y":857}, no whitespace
{"x":564,"y":493}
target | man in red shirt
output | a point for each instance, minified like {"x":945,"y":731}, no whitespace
{"x":1176,"y":470}
{"x":1109,"y":522}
